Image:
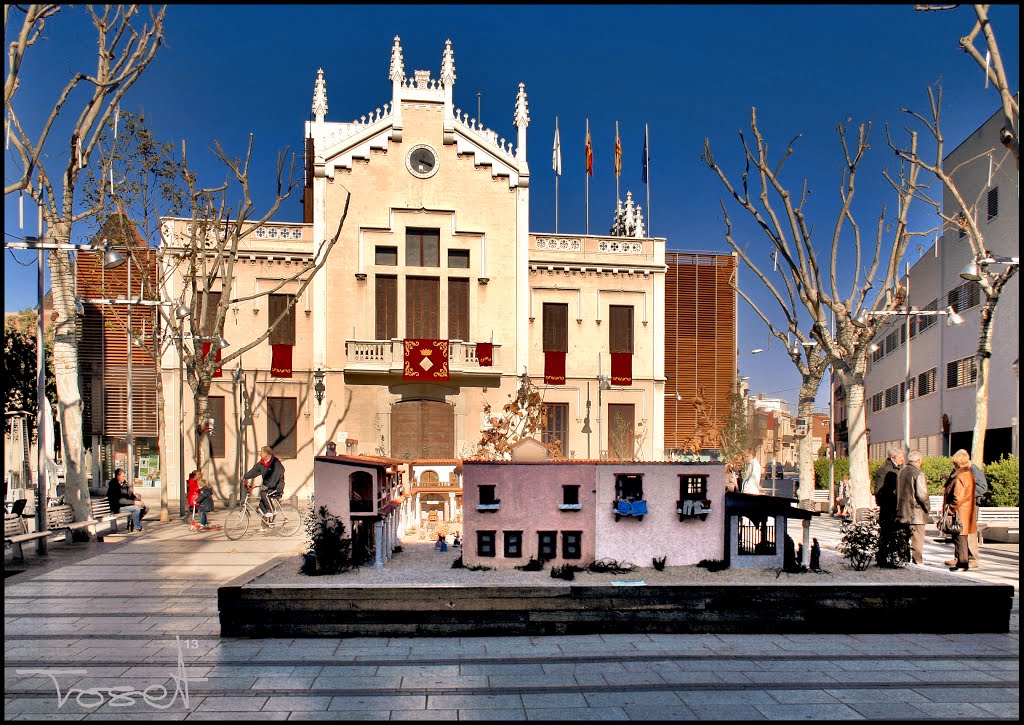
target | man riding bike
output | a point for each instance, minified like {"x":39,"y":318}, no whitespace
{"x":271,"y":470}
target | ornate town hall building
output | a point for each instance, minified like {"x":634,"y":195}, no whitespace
{"x":437,"y":299}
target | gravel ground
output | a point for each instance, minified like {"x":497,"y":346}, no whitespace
{"x":418,"y":564}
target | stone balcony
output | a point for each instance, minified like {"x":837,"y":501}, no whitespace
{"x":386,"y":357}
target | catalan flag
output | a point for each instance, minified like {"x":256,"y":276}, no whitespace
{"x":590,"y":152}
{"x":618,"y":151}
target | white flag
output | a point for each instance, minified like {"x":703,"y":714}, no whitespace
{"x":556,"y":154}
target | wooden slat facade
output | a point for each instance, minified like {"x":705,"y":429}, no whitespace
{"x":700,"y":339}
{"x":104,"y":341}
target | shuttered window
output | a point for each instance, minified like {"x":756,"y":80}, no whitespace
{"x":557,"y":426}
{"x":547,"y":545}
{"x":284,"y":332}
{"x":621,"y":433}
{"x":485,"y":543}
{"x":206,"y":327}
{"x":620,"y":328}
{"x":926,"y":382}
{"x":993,"y":203}
{"x":281,"y":426}
{"x":513,"y":544}
{"x":556,"y":327}
{"x":458,"y":309}
{"x":422,"y":305}
{"x":386,"y":307}
{"x":961,"y":372}
{"x":423,"y":247}
{"x":219,"y":421}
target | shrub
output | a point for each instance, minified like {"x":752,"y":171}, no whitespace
{"x":936,"y":469}
{"x":859,"y":542}
{"x":477,"y":567}
{"x":330,"y":552}
{"x":713,"y":564}
{"x":532,"y":565}
{"x":610,"y":566}
{"x":457,"y":564}
{"x":1003,"y":478}
{"x":659,"y":564}
{"x":566,"y":571}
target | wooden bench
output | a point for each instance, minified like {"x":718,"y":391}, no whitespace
{"x":61,"y":520}
{"x":101,"y":512}
{"x":15,"y":536}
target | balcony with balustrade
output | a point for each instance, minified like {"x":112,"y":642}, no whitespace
{"x":386,"y":357}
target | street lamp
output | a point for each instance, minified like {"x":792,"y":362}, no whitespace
{"x":976,"y":267}
{"x":41,"y":444}
{"x":952,"y":318}
{"x":319,"y":389}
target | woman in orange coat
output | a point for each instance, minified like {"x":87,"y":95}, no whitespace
{"x":959,"y":497}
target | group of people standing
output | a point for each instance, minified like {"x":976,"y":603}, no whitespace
{"x":901,"y":492}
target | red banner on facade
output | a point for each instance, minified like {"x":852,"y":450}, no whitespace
{"x":485,"y":354}
{"x":425,"y":360}
{"x":622,"y":368}
{"x":554,"y":368}
{"x":219,"y":372}
{"x":281,"y":361}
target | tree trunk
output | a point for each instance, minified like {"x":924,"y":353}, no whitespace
{"x":860,"y":484}
{"x":806,"y":452}
{"x":65,"y":368}
{"x":984,"y":363}
{"x":202,"y":434}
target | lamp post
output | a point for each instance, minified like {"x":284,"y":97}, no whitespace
{"x":952,"y":319}
{"x":586,"y":422}
{"x":111,"y":260}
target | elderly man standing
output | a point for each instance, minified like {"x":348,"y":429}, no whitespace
{"x":885,"y":497}
{"x":912,"y":503}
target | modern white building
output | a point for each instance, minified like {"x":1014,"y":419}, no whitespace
{"x":942,"y":362}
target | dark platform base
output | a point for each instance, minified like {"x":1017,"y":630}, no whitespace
{"x":585,"y":609}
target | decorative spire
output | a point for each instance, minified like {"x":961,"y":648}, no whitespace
{"x":629,"y":221}
{"x":522,"y":117}
{"x":448,"y":65}
{"x":638,"y":232}
{"x":618,"y":225}
{"x":397,"y":73}
{"x":320,"y":96}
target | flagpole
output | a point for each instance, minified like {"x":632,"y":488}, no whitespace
{"x":586,"y":172}
{"x":617,"y":161}
{"x":557,"y":172}
{"x":647,"y":165}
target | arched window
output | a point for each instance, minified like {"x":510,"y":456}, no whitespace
{"x":429,"y":478}
{"x":360,"y":492}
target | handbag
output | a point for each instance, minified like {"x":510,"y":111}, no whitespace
{"x":950,"y":522}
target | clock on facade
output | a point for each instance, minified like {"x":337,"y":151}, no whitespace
{"x":422,"y":161}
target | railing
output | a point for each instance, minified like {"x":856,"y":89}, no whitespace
{"x":582,"y":248}
{"x":388,"y":355}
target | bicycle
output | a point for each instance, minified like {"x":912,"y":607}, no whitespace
{"x":285,"y":520}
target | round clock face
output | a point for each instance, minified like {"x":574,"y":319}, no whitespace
{"x":422,"y":161}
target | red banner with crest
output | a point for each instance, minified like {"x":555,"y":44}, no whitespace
{"x":425,"y":360}
{"x":554,"y":368}
{"x":281,"y":361}
{"x":219,"y":372}
{"x":485,"y":354}
{"x":622,"y":368}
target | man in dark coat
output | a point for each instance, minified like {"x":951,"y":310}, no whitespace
{"x":885,"y":497}
{"x":271,"y":471}
{"x":122,"y":499}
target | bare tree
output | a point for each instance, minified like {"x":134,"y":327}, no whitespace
{"x":782,"y":219}
{"x":524,"y":415}
{"x":206,"y":256}
{"x":49,"y":169}
{"x":809,"y":358}
{"x":964,"y":216}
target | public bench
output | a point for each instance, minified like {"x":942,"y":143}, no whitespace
{"x":61,"y":520}
{"x":999,"y":524}
{"x":101,"y":512}
{"x":15,"y":536}
{"x":818,"y":501}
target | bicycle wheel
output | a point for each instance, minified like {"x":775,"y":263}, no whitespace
{"x":236,"y":523}
{"x":288,"y":520}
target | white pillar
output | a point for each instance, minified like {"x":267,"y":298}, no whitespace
{"x":378,"y":530}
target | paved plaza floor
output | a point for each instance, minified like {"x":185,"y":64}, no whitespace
{"x":127,"y":629}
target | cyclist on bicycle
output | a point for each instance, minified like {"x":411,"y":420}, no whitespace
{"x":270,"y":468}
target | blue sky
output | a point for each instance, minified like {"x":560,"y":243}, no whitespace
{"x":688,"y":71}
